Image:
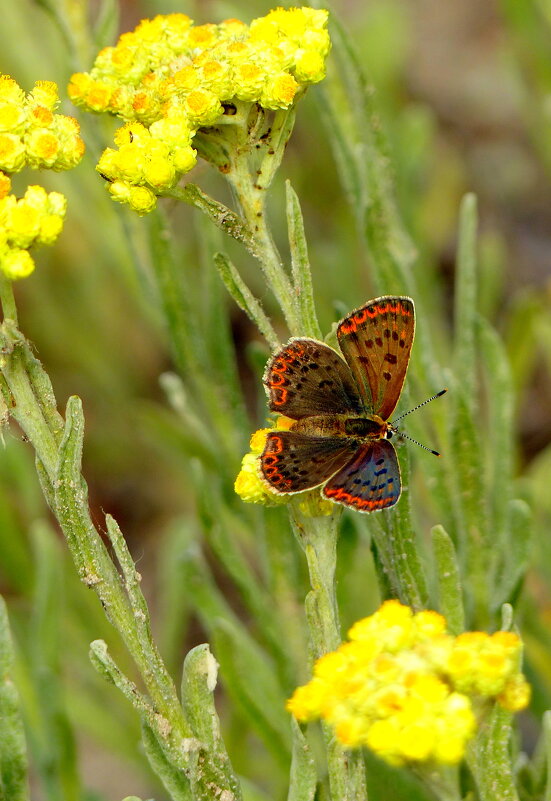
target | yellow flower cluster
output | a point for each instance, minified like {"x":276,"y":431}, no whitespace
{"x":405,"y":688}
{"x":35,"y":219}
{"x":31,"y":134}
{"x":174,"y":77}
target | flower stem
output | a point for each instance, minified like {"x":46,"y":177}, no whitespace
{"x":9,"y":308}
{"x":252,"y":202}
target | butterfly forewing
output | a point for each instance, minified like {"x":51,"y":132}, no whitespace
{"x":376,"y":342}
{"x":369,"y":481}
{"x":293,"y":462}
{"x":306,"y":378}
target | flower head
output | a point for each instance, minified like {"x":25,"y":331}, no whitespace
{"x":169,"y":69}
{"x":405,"y":688}
{"x":35,"y":219}
{"x":31,"y":134}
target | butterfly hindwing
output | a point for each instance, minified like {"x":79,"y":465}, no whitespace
{"x":306,"y":378}
{"x":369,"y":481}
{"x":294,"y":462}
{"x":376,"y":342}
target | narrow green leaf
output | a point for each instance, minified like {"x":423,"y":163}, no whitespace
{"x":187,"y":346}
{"x":71,"y":495}
{"x":245,"y":298}
{"x":104,"y":663}
{"x":169,"y":740}
{"x":524,"y":318}
{"x":107,"y":23}
{"x":198,"y":684}
{"x":303,"y":778}
{"x":450,"y":596}
{"x":13,"y":750}
{"x":345,"y":769}
{"x":469,"y":499}
{"x":280,"y":132}
{"x":515,"y":556}
{"x":489,"y":758}
{"x":174,"y":780}
{"x":302,"y":276}
{"x":362,"y":154}
{"x":501,"y":424}
{"x":465,"y":357}
{"x":217,"y":332}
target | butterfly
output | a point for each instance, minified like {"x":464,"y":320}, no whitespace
{"x":341,"y":408}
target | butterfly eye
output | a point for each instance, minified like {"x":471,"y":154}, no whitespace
{"x":389,"y":433}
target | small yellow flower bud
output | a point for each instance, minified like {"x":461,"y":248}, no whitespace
{"x":98,"y":96}
{"x":23,"y":224}
{"x":78,"y":87}
{"x":120,"y":191}
{"x":173,"y":130}
{"x":42,"y":147}
{"x":133,"y":133}
{"x":130,"y":163}
{"x":516,"y":694}
{"x":12,"y":153}
{"x":203,"y":36}
{"x":12,"y":117}
{"x":10,"y":91}
{"x":309,"y":66}
{"x":141,"y":199}
{"x":202,"y":107}
{"x":279,"y":91}
{"x":159,"y":172}
{"x":44,"y":93}
{"x":107,"y":164}
{"x":248,"y":80}
{"x":50,"y":228}
{"x":185,"y":158}
{"x":36,"y":197}
{"x":16,"y":263}
{"x":40,"y":117}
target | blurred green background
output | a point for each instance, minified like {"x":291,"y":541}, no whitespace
{"x":464,"y":91}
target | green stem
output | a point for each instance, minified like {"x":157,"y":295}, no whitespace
{"x":318,"y":539}
{"x":19,"y":395}
{"x":9,"y":308}
{"x":253,"y":206}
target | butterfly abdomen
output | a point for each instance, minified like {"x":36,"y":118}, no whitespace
{"x":368,"y":427}
{"x":342,"y":425}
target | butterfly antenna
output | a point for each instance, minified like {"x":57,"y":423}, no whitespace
{"x":428,"y":400}
{"x":406,"y":436}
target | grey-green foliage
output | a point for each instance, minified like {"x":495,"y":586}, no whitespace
{"x":264,"y":599}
